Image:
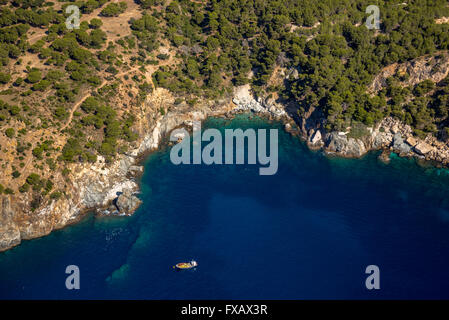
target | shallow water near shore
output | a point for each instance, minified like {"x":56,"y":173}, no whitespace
{"x":307,"y":232}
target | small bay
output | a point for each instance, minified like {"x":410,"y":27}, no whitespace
{"x":307,"y":232}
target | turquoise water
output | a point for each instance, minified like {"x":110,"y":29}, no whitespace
{"x":307,"y":232}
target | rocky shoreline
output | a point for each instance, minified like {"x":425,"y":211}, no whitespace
{"x":389,"y":135}
{"x":110,"y":189}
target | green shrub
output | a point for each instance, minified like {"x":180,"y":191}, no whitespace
{"x":107,"y":148}
{"x":423,"y":87}
{"x":95,"y":23}
{"x":71,"y":149}
{"x":37,"y":152}
{"x":14,"y":110}
{"x":61,"y":113}
{"x":33,"y":179}
{"x":4,"y":77}
{"x":10,"y":132}
{"x":55,"y":195}
{"x":113,"y":9}
{"x":90,"y":104}
{"x":91,"y":157}
{"x":163,"y":56}
{"x":18,"y":81}
{"x":34,"y":76}
{"x":42,"y":85}
{"x":48,"y":186}
{"x":24,"y":188}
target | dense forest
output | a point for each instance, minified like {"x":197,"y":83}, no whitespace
{"x":335,"y":54}
{"x":324,"y":47}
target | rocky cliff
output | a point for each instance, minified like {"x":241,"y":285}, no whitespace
{"x":110,"y":188}
{"x":9,"y":230}
{"x":390,"y":134}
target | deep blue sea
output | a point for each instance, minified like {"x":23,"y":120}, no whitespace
{"x":307,"y":232}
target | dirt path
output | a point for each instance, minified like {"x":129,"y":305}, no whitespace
{"x":87,"y":94}
{"x":148,"y":73}
{"x":37,"y":36}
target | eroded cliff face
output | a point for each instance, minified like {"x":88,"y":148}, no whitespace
{"x":9,"y":231}
{"x":110,"y":187}
{"x":434,"y":67}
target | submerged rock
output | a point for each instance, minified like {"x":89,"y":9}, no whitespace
{"x":385,"y":156}
{"x":127,"y":203}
